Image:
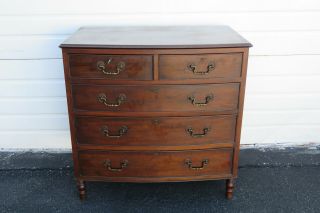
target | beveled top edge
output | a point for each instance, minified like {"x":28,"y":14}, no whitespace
{"x":147,"y":37}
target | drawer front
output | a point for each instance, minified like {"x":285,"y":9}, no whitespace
{"x":155,"y":164}
{"x":130,"y":67}
{"x":206,"y":66}
{"x":158,"y":98}
{"x":161,"y":131}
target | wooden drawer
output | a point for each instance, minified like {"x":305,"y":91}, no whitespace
{"x":155,"y":164}
{"x":204,"y":66}
{"x":161,"y":131}
{"x":157,"y":98}
{"x":129,"y":67}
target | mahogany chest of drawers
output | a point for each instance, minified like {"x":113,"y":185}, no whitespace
{"x":153,"y":104}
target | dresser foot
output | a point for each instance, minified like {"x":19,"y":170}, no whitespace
{"x":82,"y":189}
{"x":229,"y":188}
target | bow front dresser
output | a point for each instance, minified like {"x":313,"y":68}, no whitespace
{"x":155,"y":104}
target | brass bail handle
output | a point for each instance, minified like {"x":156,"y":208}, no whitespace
{"x":208,"y":98}
{"x":204,"y":163}
{"x":198,"y":135}
{"x":193,"y":68}
{"x":102,"y":98}
{"x":102,"y":66}
{"x":123,"y":164}
{"x":122,"y":131}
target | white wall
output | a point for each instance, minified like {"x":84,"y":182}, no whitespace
{"x":283,"y":90}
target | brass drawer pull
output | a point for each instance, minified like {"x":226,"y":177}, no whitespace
{"x":122,"y":131}
{"x":197,"y":135}
{"x":204,"y":163}
{"x":103,"y":99}
{"x":193,"y":68}
{"x":123,"y":164}
{"x":102,"y":66}
{"x":207,"y":100}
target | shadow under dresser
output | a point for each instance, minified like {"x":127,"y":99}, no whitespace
{"x":155,"y":104}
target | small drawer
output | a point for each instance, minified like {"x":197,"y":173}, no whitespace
{"x":122,"y":67}
{"x":160,"y":131}
{"x":157,"y":98}
{"x":203,"y":66}
{"x":150,"y":164}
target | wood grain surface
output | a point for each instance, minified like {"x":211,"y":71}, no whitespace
{"x":135,"y":67}
{"x":156,"y":37}
{"x":156,"y":131}
{"x":155,"y":164}
{"x":177,"y":67}
{"x":162,"y":98}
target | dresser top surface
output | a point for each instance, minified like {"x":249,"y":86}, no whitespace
{"x":219,"y":36}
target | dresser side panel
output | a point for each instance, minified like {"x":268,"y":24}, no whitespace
{"x":70,"y":112}
{"x":240,"y":112}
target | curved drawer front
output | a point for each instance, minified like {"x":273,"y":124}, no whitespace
{"x":159,"y":98}
{"x":122,"y":67}
{"x":155,"y":164}
{"x":203,"y":66}
{"x":161,"y":131}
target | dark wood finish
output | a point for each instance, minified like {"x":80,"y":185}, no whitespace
{"x":148,"y":51}
{"x":70,"y":112}
{"x":156,"y":37}
{"x":156,"y":68}
{"x":154,"y":148}
{"x":240,"y":113}
{"x":159,"y":179}
{"x":160,"y":98}
{"x":156,"y":109}
{"x":82,"y":189}
{"x":155,"y":164}
{"x":176,"y":67}
{"x":229,"y":188}
{"x":136,"y":67}
{"x":156,"y":82}
{"x":156,"y":131}
{"x":154,"y":114}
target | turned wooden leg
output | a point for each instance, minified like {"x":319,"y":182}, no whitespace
{"x":229,"y":188}
{"x":82,"y":189}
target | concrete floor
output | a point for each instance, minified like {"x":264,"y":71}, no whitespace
{"x":277,"y":185}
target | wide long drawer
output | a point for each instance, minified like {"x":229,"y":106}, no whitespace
{"x":156,"y":98}
{"x":155,"y":131}
{"x":155,"y":164}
